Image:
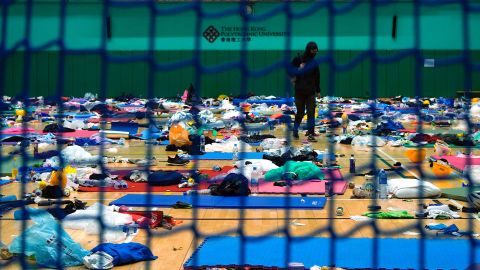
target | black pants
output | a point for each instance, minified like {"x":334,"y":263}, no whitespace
{"x":305,"y":102}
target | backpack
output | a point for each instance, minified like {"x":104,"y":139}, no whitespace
{"x":233,"y":185}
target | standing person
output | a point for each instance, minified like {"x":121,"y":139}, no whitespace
{"x":344,"y":122}
{"x":307,"y":86}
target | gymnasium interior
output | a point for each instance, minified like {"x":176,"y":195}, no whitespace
{"x":228,"y":135}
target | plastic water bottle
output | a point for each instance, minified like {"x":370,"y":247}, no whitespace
{"x":382,"y":184}
{"x":254,"y":180}
{"x":235,"y":152}
{"x":202,"y":143}
{"x":326,"y":158}
{"x":352,"y":164}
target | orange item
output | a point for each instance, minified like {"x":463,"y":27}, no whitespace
{"x":55,"y":181}
{"x":178,"y":136}
{"x":441,"y":170}
{"x":416,"y":155}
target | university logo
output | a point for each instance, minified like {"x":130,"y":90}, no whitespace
{"x":211,"y":34}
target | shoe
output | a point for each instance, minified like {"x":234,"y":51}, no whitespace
{"x":177,"y":161}
{"x":308,"y":133}
{"x":295,"y":134}
{"x":311,"y":138}
{"x":182,"y":205}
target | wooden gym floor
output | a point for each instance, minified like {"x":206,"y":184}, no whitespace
{"x":174,"y":247}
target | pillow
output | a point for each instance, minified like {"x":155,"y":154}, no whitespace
{"x":405,"y":188}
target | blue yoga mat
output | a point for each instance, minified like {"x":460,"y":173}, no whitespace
{"x":204,"y":201}
{"x":277,"y":101}
{"x":131,"y":128}
{"x":351,"y":253}
{"x":4,"y":182}
{"x":8,"y":198}
{"x":229,"y":156}
{"x":168,"y":142}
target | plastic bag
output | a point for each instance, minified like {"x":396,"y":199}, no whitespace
{"x":178,"y":136}
{"x":42,"y":241}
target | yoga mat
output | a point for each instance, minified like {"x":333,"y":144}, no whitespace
{"x":277,"y":101}
{"x":4,"y":182}
{"x":350,"y":253}
{"x":206,"y":201}
{"x":407,"y":130}
{"x":459,"y":162}
{"x":459,"y":194}
{"x":108,"y":120}
{"x":309,"y":186}
{"x":19,"y":131}
{"x":305,"y":187}
{"x":431,"y":145}
{"x":228,"y":156}
{"x":76,"y":134}
{"x":131,"y":128}
{"x":166,"y":142}
{"x":143,"y":187}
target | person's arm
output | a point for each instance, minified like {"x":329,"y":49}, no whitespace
{"x":317,"y":81}
{"x":296,"y":62}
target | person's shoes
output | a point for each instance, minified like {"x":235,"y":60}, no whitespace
{"x":182,"y":205}
{"x":177,"y":161}
{"x":308,"y":133}
{"x":311,"y":138}
{"x":295,"y":134}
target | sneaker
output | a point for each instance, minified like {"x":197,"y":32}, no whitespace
{"x":182,"y":205}
{"x":308,"y":133}
{"x":311,"y":138}
{"x":295,"y":134}
{"x":177,"y":161}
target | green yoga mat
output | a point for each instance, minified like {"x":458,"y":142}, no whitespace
{"x":430,"y":145}
{"x":459,"y":194}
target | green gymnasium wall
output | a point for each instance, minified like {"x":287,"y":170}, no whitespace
{"x":440,"y":36}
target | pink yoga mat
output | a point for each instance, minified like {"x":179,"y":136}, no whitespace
{"x":77,"y":133}
{"x":459,"y":162}
{"x":305,"y":187}
{"x":334,"y":174}
{"x":310,"y":186}
{"x":18,"y":131}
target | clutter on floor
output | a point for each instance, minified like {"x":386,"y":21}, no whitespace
{"x":108,"y":147}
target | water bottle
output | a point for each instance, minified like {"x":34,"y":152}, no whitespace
{"x":326,"y":157}
{"x":235,"y":152}
{"x":328,"y":188}
{"x":254,"y":180}
{"x":382,"y":184}
{"x":352,"y":164}
{"x":202,"y":143}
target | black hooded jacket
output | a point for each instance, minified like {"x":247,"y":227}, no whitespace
{"x":307,"y":83}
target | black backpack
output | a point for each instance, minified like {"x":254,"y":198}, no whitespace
{"x":233,"y":185}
